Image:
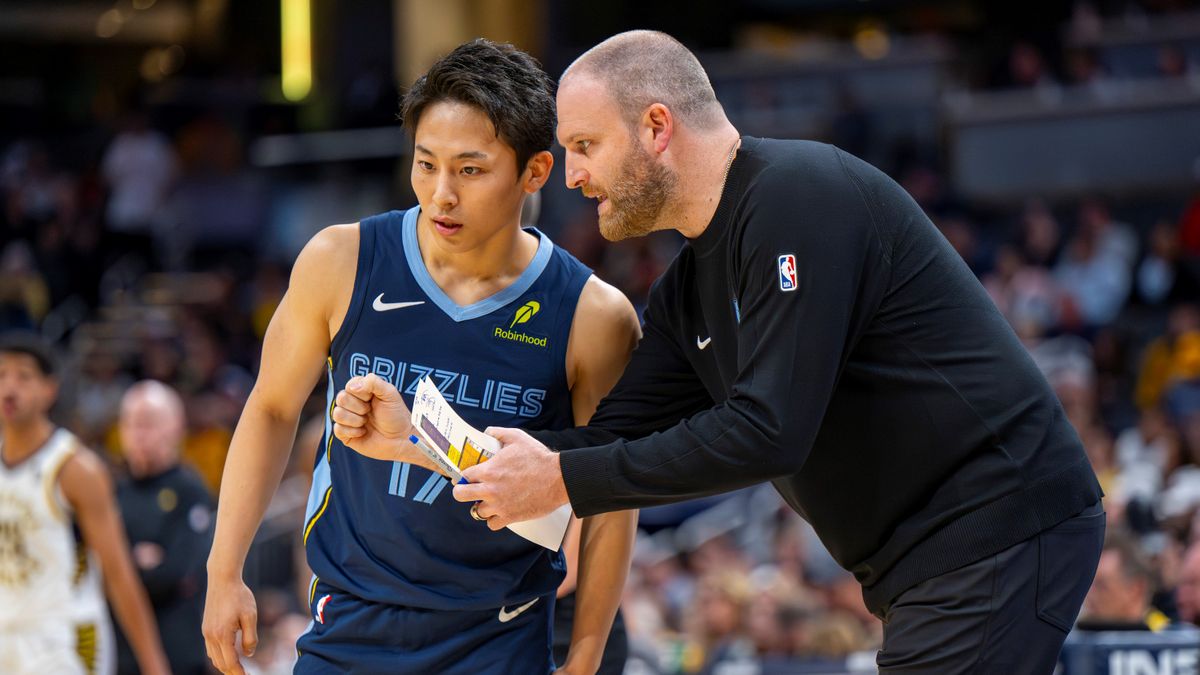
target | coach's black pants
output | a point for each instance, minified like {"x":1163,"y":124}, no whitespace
{"x":1008,"y":613}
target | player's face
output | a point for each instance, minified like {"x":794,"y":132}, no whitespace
{"x":25,"y":392}
{"x":608,"y":163}
{"x":465,"y":177}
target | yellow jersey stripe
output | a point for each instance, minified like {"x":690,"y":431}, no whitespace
{"x":320,"y":512}
{"x":50,"y":480}
{"x":332,"y":403}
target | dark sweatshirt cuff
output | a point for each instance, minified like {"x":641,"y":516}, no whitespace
{"x":550,"y":439}
{"x":587,"y":476}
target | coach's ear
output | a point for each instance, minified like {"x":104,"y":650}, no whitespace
{"x":656,"y":129}
{"x":537,"y":171}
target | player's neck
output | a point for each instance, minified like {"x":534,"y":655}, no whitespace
{"x":470,"y":276}
{"x":702,"y":180}
{"x":22,"y":440}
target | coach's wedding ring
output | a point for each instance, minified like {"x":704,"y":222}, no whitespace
{"x":475,"y":512}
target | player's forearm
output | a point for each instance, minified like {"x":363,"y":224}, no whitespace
{"x":132,"y":608}
{"x":570,"y":548}
{"x":605,"y":547}
{"x":257,"y":457}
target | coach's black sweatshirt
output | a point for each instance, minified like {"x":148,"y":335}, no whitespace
{"x":881,"y":391}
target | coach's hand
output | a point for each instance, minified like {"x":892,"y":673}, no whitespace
{"x":370,"y":417}
{"x":229,"y":608}
{"x":523,"y":481}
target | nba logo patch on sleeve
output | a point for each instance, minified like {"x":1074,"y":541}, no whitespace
{"x":787,"y":272}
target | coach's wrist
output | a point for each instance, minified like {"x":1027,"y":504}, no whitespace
{"x":559,"y":484}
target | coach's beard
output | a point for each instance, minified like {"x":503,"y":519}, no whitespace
{"x":638,"y":197}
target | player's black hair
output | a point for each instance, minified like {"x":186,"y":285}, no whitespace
{"x":504,"y":82}
{"x":30,"y":344}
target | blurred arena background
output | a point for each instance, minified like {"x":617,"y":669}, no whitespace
{"x":163,"y":161}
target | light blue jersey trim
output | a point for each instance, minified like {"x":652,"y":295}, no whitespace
{"x":412,"y":251}
{"x":321,"y":478}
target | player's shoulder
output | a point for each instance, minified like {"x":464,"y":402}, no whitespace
{"x":84,"y":476}
{"x":600,"y":296}
{"x":83,"y":460}
{"x":328,"y":261}
{"x":338,"y":245}
{"x":335,"y":243}
{"x":605,"y":326}
{"x":603,"y":308}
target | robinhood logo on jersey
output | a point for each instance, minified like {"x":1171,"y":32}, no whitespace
{"x":522,"y":316}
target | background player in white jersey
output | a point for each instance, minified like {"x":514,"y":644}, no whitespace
{"x":477,"y":157}
{"x":52,"y":615}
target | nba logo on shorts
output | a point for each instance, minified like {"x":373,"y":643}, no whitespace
{"x":320,"y":615}
{"x":787,"y":272}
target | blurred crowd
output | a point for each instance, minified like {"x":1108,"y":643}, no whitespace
{"x":164,"y":255}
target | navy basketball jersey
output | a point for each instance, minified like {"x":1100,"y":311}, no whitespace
{"x":390,"y":531}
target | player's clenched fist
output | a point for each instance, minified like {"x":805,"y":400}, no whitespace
{"x":370,"y":417}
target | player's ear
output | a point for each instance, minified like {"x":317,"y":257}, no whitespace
{"x":537,"y":171}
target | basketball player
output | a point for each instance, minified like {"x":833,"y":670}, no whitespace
{"x":53,"y":618}
{"x":511,"y":328}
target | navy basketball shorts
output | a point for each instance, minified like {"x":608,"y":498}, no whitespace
{"x":352,"y":635}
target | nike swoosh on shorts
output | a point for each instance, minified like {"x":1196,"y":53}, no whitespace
{"x":506,"y":615}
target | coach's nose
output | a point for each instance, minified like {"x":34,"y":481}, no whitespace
{"x":575,"y":174}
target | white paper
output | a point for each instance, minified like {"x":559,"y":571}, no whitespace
{"x":454,"y":445}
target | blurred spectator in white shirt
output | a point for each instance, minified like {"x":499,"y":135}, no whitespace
{"x":139,"y":167}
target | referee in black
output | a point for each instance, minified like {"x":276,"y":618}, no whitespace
{"x":817,"y":332}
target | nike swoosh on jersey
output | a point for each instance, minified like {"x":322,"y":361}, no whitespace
{"x":701,"y":344}
{"x":506,"y":615}
{"x":380,"y":306}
